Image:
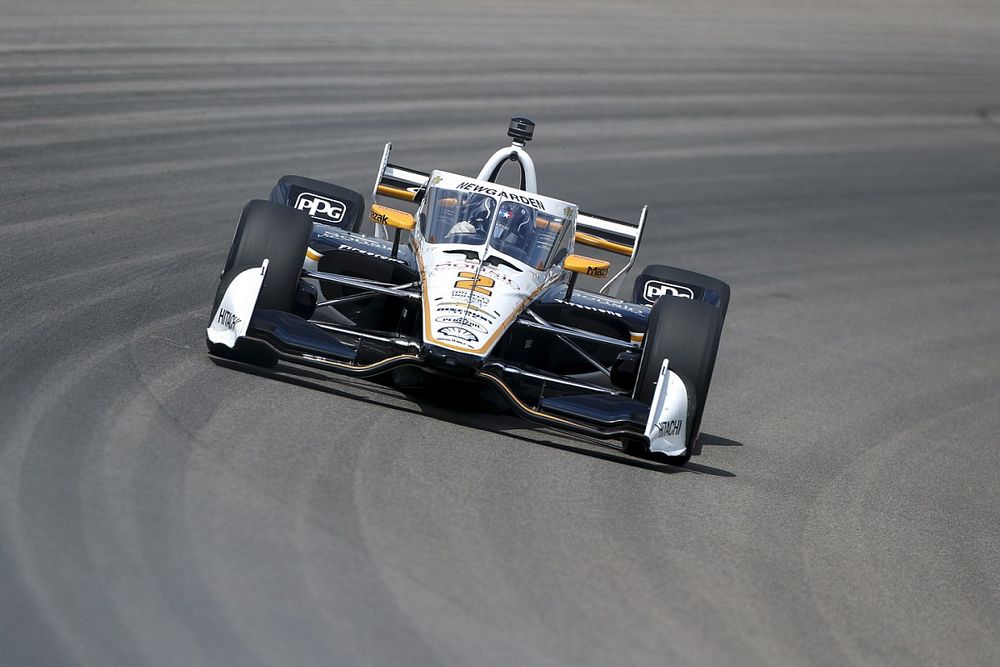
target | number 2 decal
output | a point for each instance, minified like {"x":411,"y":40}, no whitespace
{"x":474,"y":284}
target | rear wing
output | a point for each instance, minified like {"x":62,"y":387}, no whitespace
{"x":615,"y":236}
{"x":612,"y":235}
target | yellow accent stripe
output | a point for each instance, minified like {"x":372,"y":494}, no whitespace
{"x":313,"y":255}
{"x":503,"y":386}
{"x":603,"y":244}
{"x":357,"y":367}
{"x":341,"y":364}
{"x":383,"y":215}
{"x":390,"y":191}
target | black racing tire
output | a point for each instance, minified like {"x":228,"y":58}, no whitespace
{"x":290,"y":187}
{"x":716,"y":290}
{"x":687,"y":333}
{"x":281,"y":235}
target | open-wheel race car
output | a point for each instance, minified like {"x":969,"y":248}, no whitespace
{"x":484,"y":290}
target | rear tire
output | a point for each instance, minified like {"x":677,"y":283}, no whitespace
{"x":687,"y":333}
{"x":709,"y":289}
{"x":350,"y":205}
{"x":280,"y":235}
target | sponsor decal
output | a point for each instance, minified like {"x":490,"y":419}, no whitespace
{"x":459,"y":333}
{"x":467,"y":312}
{"x":597,"y":270}
{"x":344,"y":246}
{"x":590,"y":308}
{"x":461,"y":321}
{"x":498,"y":275}
{"x":356,"y":239}
{"x":228,"y":319}
{"x":454,"y":265}
{"x":473,"y":283}
{"x":503,"y":194}
{"x":618,"y":304}
{"x":321,"y":208}
{"x":654,"y":289}
{"x":471,"y":297}
{"x":670,"y":427}
{"x":379,"y":218}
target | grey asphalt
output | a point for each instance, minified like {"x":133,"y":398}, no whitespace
{"x":837,"y":163}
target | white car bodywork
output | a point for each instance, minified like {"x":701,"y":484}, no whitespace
{"x":472,"y":290}
{"x":666,"y":426}
{"x":231,"y":319}
{"x":468,"y":303}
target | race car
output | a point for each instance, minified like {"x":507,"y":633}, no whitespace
{"x":484,"y":291}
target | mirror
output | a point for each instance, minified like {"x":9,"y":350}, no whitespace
{"x":383,"y":215}
{"x":586,"y":265}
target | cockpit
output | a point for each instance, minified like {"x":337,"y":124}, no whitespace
{"x":512,"y":225}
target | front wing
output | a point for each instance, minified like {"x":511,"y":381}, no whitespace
{"x":572,"y":404}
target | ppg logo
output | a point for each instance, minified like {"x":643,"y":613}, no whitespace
{"x":328,"y":210}
{"x":654,"y":289}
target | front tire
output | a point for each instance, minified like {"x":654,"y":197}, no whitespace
{"x":280,"y":235}
{"x":687,"y":333}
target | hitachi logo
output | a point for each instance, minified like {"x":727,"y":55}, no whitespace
{"x":228,"y":319}
{"x":670,"y":427}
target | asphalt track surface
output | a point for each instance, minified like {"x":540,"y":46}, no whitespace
{"x":838,"y":166}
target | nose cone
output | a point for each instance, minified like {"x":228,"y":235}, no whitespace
{"x":468,"y":307}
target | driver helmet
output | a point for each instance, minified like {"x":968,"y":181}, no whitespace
{"x":476,"y":218}
{"x":513,"y":223}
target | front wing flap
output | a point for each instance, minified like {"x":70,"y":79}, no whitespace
{"x":232,"y":318}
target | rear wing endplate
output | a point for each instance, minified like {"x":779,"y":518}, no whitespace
{"x":615,"y":236}
{"x":612,"y":235}
{"x":398,"y":182}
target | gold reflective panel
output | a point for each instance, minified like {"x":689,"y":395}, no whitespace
{"x":398,"y":193}
{"x":603,"y":244}
{"x":586,"y":265}
{"x":383,"y":215}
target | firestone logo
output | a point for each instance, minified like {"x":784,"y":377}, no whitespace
{"x":328,"y":210}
